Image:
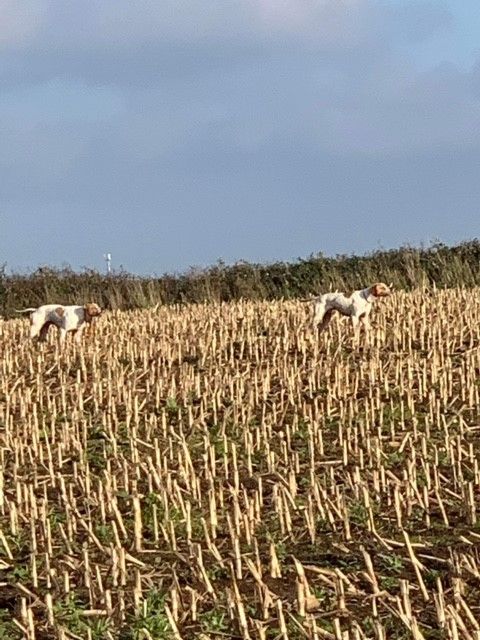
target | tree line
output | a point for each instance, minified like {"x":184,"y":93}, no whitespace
{"x":407,"y":268}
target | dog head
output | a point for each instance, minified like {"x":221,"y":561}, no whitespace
{"x":91,"y":311}
{"x":380,"y":290}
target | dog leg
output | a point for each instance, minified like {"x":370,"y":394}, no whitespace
{"x":365,"y":322}
{"x":42,"y":334}
{"x":63,"y":335}
{"x":78,"y":334}
{"x":356,"y":329}
{"x":326,"y":319}
{"x":36,"y":325}
{"x":320,"y":310}
{"x":35,"y":330}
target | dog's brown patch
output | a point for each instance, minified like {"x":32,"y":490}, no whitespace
{"x":60,"y":311}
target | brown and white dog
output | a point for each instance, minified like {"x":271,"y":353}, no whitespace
{"x":356,"y":306}
{"x":65,"y":318}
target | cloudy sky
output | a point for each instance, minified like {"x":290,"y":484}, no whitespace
{"x":176,"y":132}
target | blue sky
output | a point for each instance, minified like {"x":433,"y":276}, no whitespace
{"x":173,"y":134}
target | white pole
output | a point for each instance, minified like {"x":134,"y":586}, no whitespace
{"x":108,"y":260}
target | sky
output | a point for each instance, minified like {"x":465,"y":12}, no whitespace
{"x":176,"y":133}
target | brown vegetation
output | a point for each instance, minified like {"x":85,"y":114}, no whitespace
{"x":406,"y":268}
{"x":220,"y":471}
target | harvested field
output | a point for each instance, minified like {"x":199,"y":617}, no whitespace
{"x":220,"y":471}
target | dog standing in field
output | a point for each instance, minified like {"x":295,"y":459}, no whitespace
{"x":66,"y":318}
{"x":357,"y":306}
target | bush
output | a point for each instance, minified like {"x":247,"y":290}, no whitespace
{"x":406,"y":268}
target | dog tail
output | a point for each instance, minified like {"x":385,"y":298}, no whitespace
{"x":29,"y":310}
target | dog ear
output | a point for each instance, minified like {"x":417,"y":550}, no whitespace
{"x":374,"y":289}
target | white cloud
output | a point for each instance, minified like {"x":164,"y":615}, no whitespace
{"x":240,"y":74}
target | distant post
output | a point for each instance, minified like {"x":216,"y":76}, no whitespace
{"x":108,"y":260}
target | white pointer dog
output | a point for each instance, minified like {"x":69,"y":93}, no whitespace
{"x":65,"y":318}
{"x":357,"y":306}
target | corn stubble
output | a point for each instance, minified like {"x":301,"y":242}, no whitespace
{"x":222,"y":471}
